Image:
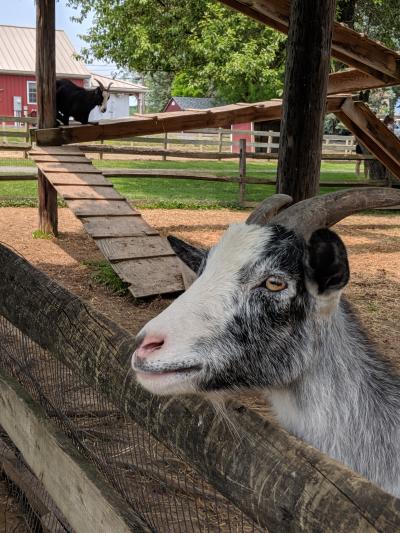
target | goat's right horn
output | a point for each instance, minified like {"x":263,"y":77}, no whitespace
{"x":324,"y":211}
{"x":268,"y":208}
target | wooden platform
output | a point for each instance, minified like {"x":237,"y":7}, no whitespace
{"x":135,"y":250}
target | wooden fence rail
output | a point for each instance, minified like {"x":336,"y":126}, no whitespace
{"x":275,"y":479}
{"x":228,"y":138}
{"x":136,"y":150}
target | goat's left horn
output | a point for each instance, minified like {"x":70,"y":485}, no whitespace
{"x":109,"y":85}
{"x":324,"y":211}
{"x":100,"y":84}
{"x":268,"y":209}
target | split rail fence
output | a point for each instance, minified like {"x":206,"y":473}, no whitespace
{"x":111,"y":457}
{"x":209,"y":144}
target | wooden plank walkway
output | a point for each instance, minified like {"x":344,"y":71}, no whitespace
{"x":136,"y":251}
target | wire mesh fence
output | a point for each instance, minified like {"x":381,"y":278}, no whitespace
{"x":156,"y":483}
{"x":171,"y":464}
{"x":29,"y":507}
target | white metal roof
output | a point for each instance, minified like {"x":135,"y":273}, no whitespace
{"x":18,"y":51}
{"x":118,"y":86}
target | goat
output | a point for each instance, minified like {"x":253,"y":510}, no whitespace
{"x":77,"y":102}
{"x":266,"y":312}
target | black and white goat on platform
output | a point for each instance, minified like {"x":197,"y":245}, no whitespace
{"x":266,"y":312}
{"x":77,"y":102}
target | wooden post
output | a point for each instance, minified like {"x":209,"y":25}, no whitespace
{"x":307,"y":69}
{"x":242,"y":171}
{"x":28,"y":136}
{"x":165,"y":145}
{"x":220,"y":135}
{"x":46,"y":102}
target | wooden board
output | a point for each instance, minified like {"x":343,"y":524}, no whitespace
{"x":222,"y":116}
{"x":55,"y":150}
{"x":60,"y":158}
{"x":91,"y":208}
{"x":69,"y":178}
{"x":107,"y":216}
{"x":124,"y":226}
{"x":353,"y":80}
{"x":75,"y":192}
{"x":69,"y":167}
{"x":166,"y":173}
{"x":145,"y":274}
{"x":134,"y":247}
{"x":16,"y":147}
{"x":55,"y":461}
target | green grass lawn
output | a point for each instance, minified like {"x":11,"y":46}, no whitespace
{"x":169,"y":193}
{"x":16,"y":162}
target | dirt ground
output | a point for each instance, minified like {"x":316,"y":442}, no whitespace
{"x":373,"y":244}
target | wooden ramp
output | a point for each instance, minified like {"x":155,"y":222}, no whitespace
{"x":135,"y":250}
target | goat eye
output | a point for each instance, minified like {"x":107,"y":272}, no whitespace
{"x":275,"y":284}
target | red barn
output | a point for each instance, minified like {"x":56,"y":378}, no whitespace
{"x":184,"y":103}
{"x":17,"y":68}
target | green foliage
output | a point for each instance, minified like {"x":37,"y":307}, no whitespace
{"x":380,"y":20}
{"x":183,"y":85}
{"x":159,"y":85}
{"x":201,"y":48}
{"x":209,"y":49}
{"x":103,"y":274}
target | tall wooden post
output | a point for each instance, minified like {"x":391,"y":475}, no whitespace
{"x":304,"y":100}
{"x":46,"y":102}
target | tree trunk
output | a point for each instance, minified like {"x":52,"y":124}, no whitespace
{"x":46,"y":102}
{"x":304,"y":101}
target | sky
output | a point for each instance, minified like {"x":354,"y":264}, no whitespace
{"x":23,"y":13}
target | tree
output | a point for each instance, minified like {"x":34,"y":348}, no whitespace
{"x":209,"y":50}
{"x":159,"y":85}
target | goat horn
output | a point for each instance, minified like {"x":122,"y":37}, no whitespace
{"x":268,"y":208}
{"x":109,"y":85}
{"x":100,"y":84}
{"x":324,"y":211}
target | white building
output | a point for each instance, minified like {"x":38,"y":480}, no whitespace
{"x":122,"y":93}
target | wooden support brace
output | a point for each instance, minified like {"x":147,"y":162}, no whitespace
{"x":373,"y":134}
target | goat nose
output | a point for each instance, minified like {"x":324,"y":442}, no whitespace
{"x":150,"y":344}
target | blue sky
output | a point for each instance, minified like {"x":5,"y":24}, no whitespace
{"x":23,"y":13}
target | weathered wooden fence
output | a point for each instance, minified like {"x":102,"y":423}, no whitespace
{"x":15,"y":130}
{"x":228,"y":140}
{"x":174,"y":465}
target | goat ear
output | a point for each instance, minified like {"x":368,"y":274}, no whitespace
{"x":190,"y":255}
{"x":326,"y":265}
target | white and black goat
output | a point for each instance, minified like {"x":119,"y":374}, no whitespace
{"x":77,"y":102}
{"x":266,"y":312}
